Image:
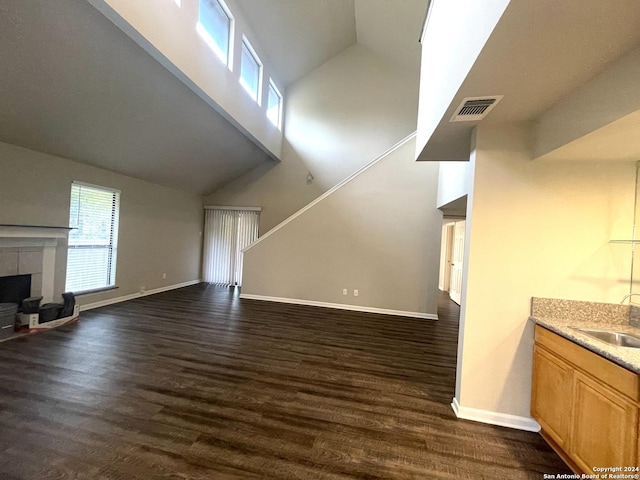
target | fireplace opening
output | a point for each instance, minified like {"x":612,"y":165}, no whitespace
{"x":15,"y":288}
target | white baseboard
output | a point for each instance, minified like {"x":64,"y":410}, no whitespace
{"x":341,"y":306}
{"x":494,"y":418}
{"x":124,"y":298}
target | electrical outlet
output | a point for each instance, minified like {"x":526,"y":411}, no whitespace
{"x":355,"y":293}
{"x":164,"y":275}
{"x":345,"y":292}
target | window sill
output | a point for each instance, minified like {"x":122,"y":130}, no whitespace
{"x":95,"y":291}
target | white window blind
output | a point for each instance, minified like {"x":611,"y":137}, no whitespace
{"x":227,"y":233}
{"x":91,"y":259}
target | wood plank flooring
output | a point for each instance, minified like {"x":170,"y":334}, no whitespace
{"x":197,"y":384}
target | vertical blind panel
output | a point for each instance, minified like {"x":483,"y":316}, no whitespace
{"x":247,"y":234}
{"x":91,"y":258}
{"x":227,"y":232}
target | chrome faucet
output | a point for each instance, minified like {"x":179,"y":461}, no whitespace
{"x":628,"y":296}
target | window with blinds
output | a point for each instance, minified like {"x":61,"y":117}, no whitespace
{"x":91,"y":258}
{"x":227,"y":233}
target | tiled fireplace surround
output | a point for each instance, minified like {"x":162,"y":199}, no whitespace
{"x":31,"y":250}
{"x":21,"y":261}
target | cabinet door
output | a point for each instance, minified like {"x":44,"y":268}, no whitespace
{"x":604,"y":426}
{"x":551,"y":395}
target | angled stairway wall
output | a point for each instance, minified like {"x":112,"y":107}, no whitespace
{"x":377,"y":232}
{"x":337,"y":119}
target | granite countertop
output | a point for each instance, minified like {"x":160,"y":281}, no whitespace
{"x":561,"y":316}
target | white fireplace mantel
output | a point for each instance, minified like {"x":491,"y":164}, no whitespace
{"x":35,"y":232}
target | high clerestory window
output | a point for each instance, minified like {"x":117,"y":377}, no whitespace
{"x":274,"y":105}
{"x":250,"y":70}
{"x":215,"y":25}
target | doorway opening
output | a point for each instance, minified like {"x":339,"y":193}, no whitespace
{"x":452,"y":258}
{"x":452,"y":248}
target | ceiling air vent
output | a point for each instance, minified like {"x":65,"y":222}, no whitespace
{"x":475,"y":108}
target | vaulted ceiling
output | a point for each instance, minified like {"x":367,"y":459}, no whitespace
{"x":74,"y":85}
{"x":300,"y":35}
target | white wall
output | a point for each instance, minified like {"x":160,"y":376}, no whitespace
{"x":455,"y":181}
{"x":170,"y":30}
{"x":533,"y":229}
{"x":159,"y":231}
{"x":379,"y":233}
{"x":338,"y":118}
{"x":608,"y":97}
{"x":451,"y":44}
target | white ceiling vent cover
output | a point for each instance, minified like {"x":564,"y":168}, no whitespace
{"x":475,"y":108}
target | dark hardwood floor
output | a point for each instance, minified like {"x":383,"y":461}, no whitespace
{"x":197,"y":384}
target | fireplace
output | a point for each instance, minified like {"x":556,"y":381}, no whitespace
{"x":15,"y":288}
{"x":31,"y":250}
{"x":28,"y":268}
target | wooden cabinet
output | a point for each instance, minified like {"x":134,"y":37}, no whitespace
{"x":604,"y":426}
{"x":586,"y":405}
{"x":552,"y":394}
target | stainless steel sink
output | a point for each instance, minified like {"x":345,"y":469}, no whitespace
{"x":619,"y":339}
